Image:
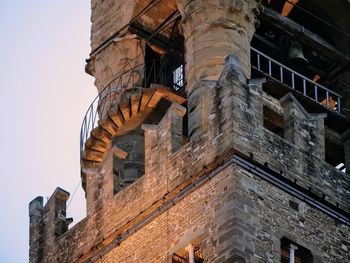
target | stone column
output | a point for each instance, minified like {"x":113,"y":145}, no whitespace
{"x":213,"y":29}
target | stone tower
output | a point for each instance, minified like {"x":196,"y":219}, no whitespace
{"x":220,"y":134}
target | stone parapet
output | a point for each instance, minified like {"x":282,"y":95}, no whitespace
{"x":47,"y":223}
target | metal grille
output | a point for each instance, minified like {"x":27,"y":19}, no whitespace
{"x":178,"y":77}
{"x":295,"y":81}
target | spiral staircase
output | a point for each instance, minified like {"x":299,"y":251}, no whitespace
{"x":123,"y":105}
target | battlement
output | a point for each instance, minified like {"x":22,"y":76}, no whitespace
{"x":211,"y":138}
{"x":47,"y":223}
{"x":174,"y":167}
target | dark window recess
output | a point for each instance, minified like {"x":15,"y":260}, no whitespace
{"x":198,"y":257}
{"x":302,"y":254}
{"x":335,"y":155}
{"x":294,"y":205}
{"x":273,"y":121}
{"x":165,"y":69}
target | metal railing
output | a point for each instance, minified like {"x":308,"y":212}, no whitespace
{"x":156,"y":71}
{"x":139,"y":76}
{"x":295,"y":81}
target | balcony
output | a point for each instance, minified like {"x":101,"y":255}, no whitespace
{"x":291,"y":80}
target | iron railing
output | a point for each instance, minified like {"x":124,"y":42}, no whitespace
{"x":295,"y":81}
{"x":139,"y":76}
{"x":156,"y":71}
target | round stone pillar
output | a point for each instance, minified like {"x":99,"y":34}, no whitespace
{"x":121,"y":55}
{"x":213,"y":29}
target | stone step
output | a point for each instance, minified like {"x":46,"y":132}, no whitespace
{"x":124,"y":107}
{"x":163,"y":92}
{"x":109,"y":126}
{"x":116,"y":117}
{"x":135,"y":103}
{"x":101,"y":135}
{"x":168,"y":94}
{"x":92,"y":155}
{"x":95,"y":144}
{"x":146,"y":96}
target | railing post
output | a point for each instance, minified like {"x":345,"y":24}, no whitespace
{"x":282,"y":68}
{"x":316,"y":93}
{"x":281,"y":73}
{"x":292,"y":249}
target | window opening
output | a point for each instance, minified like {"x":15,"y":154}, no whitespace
{"x":293,"y":252}
{"x":184,"y":257}
{"x":273,"y":121}
{"x":335,"y":155}
{"x":164,"y":69}
{"x":178,"y":77}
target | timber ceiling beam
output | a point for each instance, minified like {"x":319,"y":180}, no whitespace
{"x":157,"y":39}
{"x":288,"y":6}
{"x":305,"y":36}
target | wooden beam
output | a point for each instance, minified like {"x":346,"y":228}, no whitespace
{"x":167,"y":45}
{"x":288,"y":6}
{"x":305,"y":36}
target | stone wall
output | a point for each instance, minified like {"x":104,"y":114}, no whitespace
{"x":234,"y":216}
{"x":108,"y":17}
{"x":233,"y":205}
{"x":190,"y":193}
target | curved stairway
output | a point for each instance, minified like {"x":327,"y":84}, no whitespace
{"x":124,"y":116}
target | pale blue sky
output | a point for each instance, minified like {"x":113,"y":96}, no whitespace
{"x":44,"y":95}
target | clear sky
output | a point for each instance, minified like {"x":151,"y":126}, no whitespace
{"x":44,"y":95}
